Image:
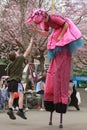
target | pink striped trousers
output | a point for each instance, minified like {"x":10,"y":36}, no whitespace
{"x":58,"y":76}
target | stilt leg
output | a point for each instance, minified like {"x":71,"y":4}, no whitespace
{"x":50,"y":122}
{"x":61,"y":117}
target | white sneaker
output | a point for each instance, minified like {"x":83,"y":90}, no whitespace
{"x":42,"y":109}
{"x":17,"y":108}
{"x":13,"y":108}
{"x":85,"y":89}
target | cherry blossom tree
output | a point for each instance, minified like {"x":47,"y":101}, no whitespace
{"x":14,"y":34}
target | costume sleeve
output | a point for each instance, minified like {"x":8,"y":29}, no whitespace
{"x":58,"y":19}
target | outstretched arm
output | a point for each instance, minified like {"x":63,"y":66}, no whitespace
{"x":28,"y":50}
{"x":41,"y":32}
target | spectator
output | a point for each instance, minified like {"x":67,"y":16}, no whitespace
{"x":29,"y":86}
{"x":15,"y":70}
{"x":40,"y":88}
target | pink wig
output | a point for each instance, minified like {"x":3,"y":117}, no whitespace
{"x":36,"y":16}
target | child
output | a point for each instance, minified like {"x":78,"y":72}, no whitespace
{"x":14,"y":70}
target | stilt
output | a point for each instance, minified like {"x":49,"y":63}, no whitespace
{"x":51,"y":114}
{"x":61,"y":117}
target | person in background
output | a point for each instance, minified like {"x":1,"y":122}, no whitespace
{"x":40,"y":88}
{"x":29,"y":86}
{"x":15,"y":102}
{"x":4,"y":94}
{"x":14,"y":71}
{"x":39,"y":91}
{"x":64,"y":39}
{"x":73,"y":96}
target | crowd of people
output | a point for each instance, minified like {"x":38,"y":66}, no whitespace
{"x":38,"y":91}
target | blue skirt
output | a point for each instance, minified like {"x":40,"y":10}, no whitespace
{"x":72,"y":47}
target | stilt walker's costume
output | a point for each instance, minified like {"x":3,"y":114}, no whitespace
{"x":60,"y":53}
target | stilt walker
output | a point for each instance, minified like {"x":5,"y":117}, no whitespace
{"x":61,"y":125}
{"x":51,"y":113}
{"x":63,"y":41}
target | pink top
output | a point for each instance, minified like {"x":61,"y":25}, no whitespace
{"x":56,"y":22}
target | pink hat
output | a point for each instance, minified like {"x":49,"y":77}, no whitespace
{"x":36,"y":16}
